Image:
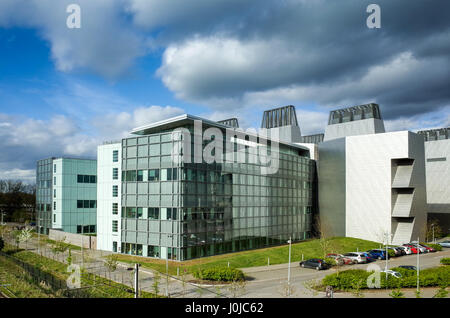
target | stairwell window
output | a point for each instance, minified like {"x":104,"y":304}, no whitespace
{"x":115,"y":191}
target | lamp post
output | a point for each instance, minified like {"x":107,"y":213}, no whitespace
{"x":289,"y":267}
{"x":418,"y":266}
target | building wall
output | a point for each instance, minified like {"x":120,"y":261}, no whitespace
{"x":383,"y":192}
{"x":354,"y":128}
{"x":105,"y":200}
{"x":332,"y":183}
{"x":44,"y":194}
{"x":69,"y":191}
{"x":215,"y":208}
{"x":437,"y":154}
{"x":58,"y":189}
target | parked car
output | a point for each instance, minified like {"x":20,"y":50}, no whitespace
{"x":392,"y":273}
{"x":355,"y":256}
{"x":445,"y":244}
{"x":396,"y":251}
{"x":429,"y":249}
{"x":417,"y":245}
{"x":377,"y":253}
{"x":406,"y":249}
{"x":346,"y":260}
{"x":411,"y":267}
{"x":368,"y":257}
{"x":315,"y":263}
{"x":412,"y":247}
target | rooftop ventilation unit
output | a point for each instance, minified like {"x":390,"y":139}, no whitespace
{"x":232,"y":122}
{"x":279,"y":117}
{"x":354,"y":113}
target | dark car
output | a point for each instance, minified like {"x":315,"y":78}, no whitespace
{"x":411,"y":267}
{"x":315,"y":263}
{"x":377,"y":254}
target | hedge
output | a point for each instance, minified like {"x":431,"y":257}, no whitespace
{"x":437,"y":247}
{"x":350,"y":279}
{"x":445,"y":261}
{"x":221,"y":274}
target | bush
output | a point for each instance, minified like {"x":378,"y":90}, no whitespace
{"x":445,"y":261}
{"x":333,"y":261}
{"x":2,"y":243}
{"x":437,"y":247}
{"x":391,"y":253}
{"x":430,"y":277}
{"x":220,"y":274}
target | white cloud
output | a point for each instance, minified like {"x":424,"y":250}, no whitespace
{"x":104,"y":44}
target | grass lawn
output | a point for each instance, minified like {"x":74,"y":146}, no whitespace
{"x":104,"y":289}
{"x":19,"y":283}
{"x":252,"y":258}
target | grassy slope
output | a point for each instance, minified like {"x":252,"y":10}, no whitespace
{"x":18,"y":282}
{"x":277,"y":255}
{"x":58,"y":270}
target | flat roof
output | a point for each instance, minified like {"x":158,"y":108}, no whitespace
{"x":175,"y":122}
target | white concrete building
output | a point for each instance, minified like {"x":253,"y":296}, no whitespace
{"x":109,"y":196}
{"x":437,"y":154}
{"x":373,"y":185}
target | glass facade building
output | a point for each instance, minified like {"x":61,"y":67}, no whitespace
{"x":66,"y":195}
{"x":180,"y":210}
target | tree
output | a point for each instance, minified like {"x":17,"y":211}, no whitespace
{"x":24,"y":236}
{"x":237,"y":288}
{"x":111,"y":263}
{"x":433,"y":226}
{"x":60,"y":246}
{"x":324,"y":232}
{"x":2,"y":243}
{"x":156,"y":282}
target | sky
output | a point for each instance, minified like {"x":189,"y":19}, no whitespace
{"x":63,"y":91}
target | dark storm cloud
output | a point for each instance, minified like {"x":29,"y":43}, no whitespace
{"x":314,"y":44}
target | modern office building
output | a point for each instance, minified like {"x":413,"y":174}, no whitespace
{"x":437,"y":154}
{"x":371,"y":183}
{"x":176,"y":204}
{"x":66,"y":195}
{"x":109,"y":188}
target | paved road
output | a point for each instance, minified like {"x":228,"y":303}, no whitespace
{"x":269,"y":281}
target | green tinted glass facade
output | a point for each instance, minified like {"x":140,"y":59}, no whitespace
{"x":190,"y":210}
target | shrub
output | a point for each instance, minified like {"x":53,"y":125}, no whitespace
{"x":2,"y":243}
{"x":391,"y":253}
{"x":437,"y":247}
{"x":445,"y":261}
{"x":332,"y":261}
{"x":347,"y":280}
{"x":220,"y":274}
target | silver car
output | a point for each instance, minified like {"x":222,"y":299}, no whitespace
{"x":356,"y":257}
{"x":445,"y":244}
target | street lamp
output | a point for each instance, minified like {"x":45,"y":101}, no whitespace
{"x":432,"y":226}
{"x":289,"y":267}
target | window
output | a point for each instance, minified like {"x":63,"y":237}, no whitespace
{"x":115,"y":155}
{"x":54,"y":205}
{"x":54,"y":180}
{"x":87,"y":204}
{"x":78,"y":228}
{"x":153,"y":251}
{"x":54,"y":168}
{"x":115,"y":247}
{"x":153,"y":175}
{"x":131,"y":213}
{"x":86,"y":178}
{"x":54,"y":217}
{"x":140,"y":175}
{"x":115,"y":225}
{"x":171,"y":213}
{"x":168,"y":174}
{"x":54,"y":193}
{"x":139,"y":213}
{"x":115,"y":208}
{"x":91,"y":228}
{"x":153,"y":213}
{"x":115,"y":191}
{"x":115,"y":173}
{"x":130,"y":175}
{"x":85,"y":228}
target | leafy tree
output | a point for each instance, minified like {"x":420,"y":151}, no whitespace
{"x":24,"y":236}
{"x":111,"y":263}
